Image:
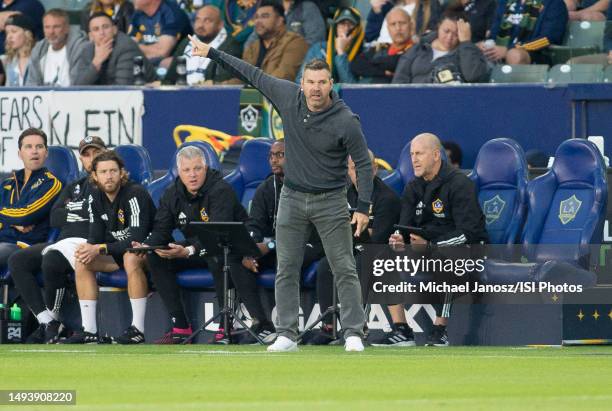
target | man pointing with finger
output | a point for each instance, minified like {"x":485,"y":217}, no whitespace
{"x":320,"y":132}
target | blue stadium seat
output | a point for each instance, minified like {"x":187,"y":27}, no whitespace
{"x":137,"y":162}
{"x":266,"y":278}
{"x":253,"y":168}
{"x":157,"y":187}
{"x":404,"y":173}
{"x":567,"y":205}
{"x":63,"y":164}
{"x":500,"y":176}
{"x":117,"y":279}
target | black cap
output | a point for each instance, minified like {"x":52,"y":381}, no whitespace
{"x":91,"y":141}
{"x":20,"y":20}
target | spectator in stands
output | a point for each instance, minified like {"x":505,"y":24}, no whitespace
{"x":120,"y":211}
{"x":589,"y":10}
{"x":157,"y":26}
{"x":31,"y":8}
{"x":56,"y":261}
{"x":209,"y":28}
{"x":449,"y":57}
{"x":198,"y":194}
{"x":27,"y":196}
{"x":278,"y":52}
{"x":384,"y":213}
{"x":304,"y":18}
{"x":454,"y":217}
{"x":108,"y":57}
{"x":481,"y":14}
{"x":344,"y":42}
{"x":262,"y":225}
{"x":19,"y":44}
{"x":56,"y":59}
{"x":523,"y":30}
{"x":377,"y":63}
{"x":453,"y":153}
{"x":119,"y":10}
{"x":424,"y":13}
{"x":238,"y":17}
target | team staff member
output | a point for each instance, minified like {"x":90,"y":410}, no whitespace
{"x":442,"y":201}
{"x":26,"y":197}
{"x":70,"y":213}
{"x":262,"y":226}
{"x":120,"y":211}
{"x":320,"y":132}
{"x":198,"y":194}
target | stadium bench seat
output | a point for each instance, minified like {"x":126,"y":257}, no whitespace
{"x":137,"y":162}
{"x":576,"y":73}
{"x":522,"y":73}
{"x":581,"y":38}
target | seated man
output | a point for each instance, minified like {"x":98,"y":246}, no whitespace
{"x":377,"y":64}
{"x":262,"y":226}
{"x":56,"y":60}
{"x":208,"y":27}
{"x":157,"y":26}
{"x":384,"y":214}
{"x":278,"y":52}
{"x":522,"y":30}
{"x":198,"y":194}
{"x":27,"y":196}
{"x":108,"y":57}
{"x":120,"y":211}
{"x":70,"y":213}
{"x":443,"y":202}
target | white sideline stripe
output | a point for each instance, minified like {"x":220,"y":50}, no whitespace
{"x":222,"y":352}
{"x":60,"y":351}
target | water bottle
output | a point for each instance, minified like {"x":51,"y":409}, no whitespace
{"x":15,"y":313}
{"x":139,"y":79}
{"x":181,"y":71}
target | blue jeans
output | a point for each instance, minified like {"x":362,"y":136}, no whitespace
{"x":329,"y":214}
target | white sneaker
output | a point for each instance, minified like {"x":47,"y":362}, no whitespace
{"x":354,"y":344}
{"x":283,"y":344}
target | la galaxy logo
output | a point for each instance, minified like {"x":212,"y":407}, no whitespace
{"x":248,"y":118}
{"x":568,"y":209}
{"x":203,"y":215}
{"x":182,"y":218}
{"x":437,"y":206}
{"x":493,"y":208}
{"x":121,"y":216}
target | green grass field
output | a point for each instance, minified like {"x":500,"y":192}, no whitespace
{"x":316,"y":378}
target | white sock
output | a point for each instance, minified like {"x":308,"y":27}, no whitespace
{"x":139,"y":308}
{"x":45,"y":317}
{"x":88,"y":315}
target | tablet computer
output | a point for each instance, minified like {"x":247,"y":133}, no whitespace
{"x":147,"y":248}
{"x":406,"y":230}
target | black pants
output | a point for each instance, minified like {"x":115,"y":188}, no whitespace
{"x":24,"y":266}
{"x":164,"y":274}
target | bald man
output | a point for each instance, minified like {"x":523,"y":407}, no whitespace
{"x":208,"y":27}
{"x":443,"y":202}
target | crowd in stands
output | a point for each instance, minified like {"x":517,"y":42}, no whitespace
{"x":399,"y":41}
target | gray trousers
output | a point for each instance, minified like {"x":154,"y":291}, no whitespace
{"x":329,"y":214}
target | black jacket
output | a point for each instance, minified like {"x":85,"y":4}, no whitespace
{"x":446,"y":208}
{"x":372,"y":64}
{"x":384,"y":213}
{"x":264,"y":206}
{"x":128,"y":218}
{"x":70,"y":212}
{"x":215,"y":201}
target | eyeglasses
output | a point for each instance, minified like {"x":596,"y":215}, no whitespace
{"x":278,"y":154}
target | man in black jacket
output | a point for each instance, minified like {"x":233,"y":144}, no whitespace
{"x":70,"y":213}
{"x":120,"y":211}
{"x":198,"y":194}
{"x":443,"y":202}
{"x":384,"y":214}
{"x":262,"y":226}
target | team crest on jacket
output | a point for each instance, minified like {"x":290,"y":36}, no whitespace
{"x":437,"y":206}
{"x":568,"y":209}
{"x":203,"y":215}
{"x":121,"y":216}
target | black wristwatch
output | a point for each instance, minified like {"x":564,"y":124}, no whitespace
{"x":271,"y":244}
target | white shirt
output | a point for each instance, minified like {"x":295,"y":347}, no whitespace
{"x":55,"y":68}
{"x":384,"y":36}
{"x":196,"y":66}
{"x":438,"y":53}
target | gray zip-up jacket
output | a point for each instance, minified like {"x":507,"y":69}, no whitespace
{"x":316,"y":144}
{"x":74,"y":51}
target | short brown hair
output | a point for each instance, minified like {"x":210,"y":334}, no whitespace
{"x":31,"y":132}
{"x":58,"y":13}
{"x":316,"y":65}
{"x":110,"y":155}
